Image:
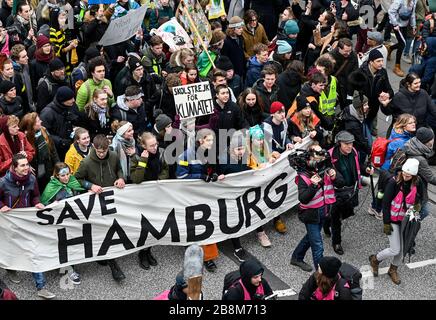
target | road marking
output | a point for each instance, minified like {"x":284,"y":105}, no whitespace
{"x":380,"y":271}
{"x":412,"y":265}
{"x":419,"y":264}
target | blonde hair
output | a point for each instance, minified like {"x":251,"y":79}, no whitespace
{"x":402,"y":121}
{"x":144,"y":137}
{"x":117,"y":124}
{"x":12,"y":120}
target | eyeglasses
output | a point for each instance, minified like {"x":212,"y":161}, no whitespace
{"x":253,"y":20}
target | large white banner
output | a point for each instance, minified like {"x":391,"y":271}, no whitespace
{"x":123,"y":28}
{"x":117,"y":222}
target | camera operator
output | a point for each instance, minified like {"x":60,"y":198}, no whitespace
{"x":316,"y":196}
{"x":251,"y":285}
{"x":345,"y":160}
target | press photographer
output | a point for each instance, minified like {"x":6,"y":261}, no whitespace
{"x":316,"y":195}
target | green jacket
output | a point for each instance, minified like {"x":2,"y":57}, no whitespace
{"x":55,"y":186}
{"x":93,"y":170}
{"x":203,"y":64}
{"x":86,"y":90}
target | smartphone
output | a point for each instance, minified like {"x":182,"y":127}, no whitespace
{"x":272,"y":296}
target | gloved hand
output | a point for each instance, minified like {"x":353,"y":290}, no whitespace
{"x":213,"y":177}
{"x":387,"y":229}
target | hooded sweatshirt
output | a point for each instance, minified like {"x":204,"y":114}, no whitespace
{"x":248,"y":269}
{"x":416,"y":149}
{"x":102,"y":172}
{"x":254,"y":71}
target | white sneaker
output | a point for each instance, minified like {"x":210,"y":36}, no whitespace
{"x":263,"y":239}
{"x":406,"y":59}
{"x":44,"y":293}
{"x":13,"y":276}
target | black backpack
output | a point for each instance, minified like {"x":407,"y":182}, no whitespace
{"x":230,"y":279}
{"x":353,"y":276}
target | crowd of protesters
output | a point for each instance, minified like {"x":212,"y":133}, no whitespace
{"x":280,"y":71}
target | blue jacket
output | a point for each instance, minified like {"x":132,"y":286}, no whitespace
{"x":188,"y":167}
{"x":402,"y":138}
{"x":254,"y":71}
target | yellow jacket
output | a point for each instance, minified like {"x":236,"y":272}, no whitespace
{"x":73,"y":159}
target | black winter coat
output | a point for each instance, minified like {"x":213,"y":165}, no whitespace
{"x":37,"y":70}
{"x":59,"y":121}
{"x":354,"y":126}
{"x":137,"y":118}
{"x":47,"y":91}
{"x":418,"y":104}
{"x":234,"y":50}
{"x":12,"y":108}
{"x":374,"y":86}
{"x":253,"y":115}
{"x":229,"y":117}
{"x":5,"y":12}
{"x":268,"y":12}
{"x":342,"y":75}
{"x":266,"y":97}
{"x":289,"y":83}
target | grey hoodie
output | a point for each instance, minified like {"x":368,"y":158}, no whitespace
{"x":416,"y":149}
{"x":394,"y":13}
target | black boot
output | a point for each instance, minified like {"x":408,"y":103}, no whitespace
{"x":151,"y":260}
{"x":143,"y":261}
{"x":117,"y":274}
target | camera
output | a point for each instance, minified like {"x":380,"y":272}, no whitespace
{"x":300,"y":161}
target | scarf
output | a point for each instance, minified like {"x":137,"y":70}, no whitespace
{"x":22,"y":20}
{"x":101,"y":112}
{"x":42,"y":147}
{"x":120,"y":145}
{"x":54,"y":186}
{"x":41,"y":57}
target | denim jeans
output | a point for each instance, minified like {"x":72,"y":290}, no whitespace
{"x":425,"y":210}
{"x":39,"y":279}
{"x":313,"y":240}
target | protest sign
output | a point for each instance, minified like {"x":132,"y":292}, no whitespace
{"x":123,"y":28}
{"x":193,"y":100}
{"x":173,"y":34}
{"x":117,"y":222}
{"x":192,"y":18}
{"x":216,"y":9}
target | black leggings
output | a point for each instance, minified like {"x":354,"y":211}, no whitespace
{"x":400,"y":44}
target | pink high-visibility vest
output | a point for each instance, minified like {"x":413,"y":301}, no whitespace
{"x":324,"y":195}
{"x":397,"y":209}
{"x":259,"y":290}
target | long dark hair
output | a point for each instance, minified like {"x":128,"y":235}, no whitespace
{"x":408,"y":80}
{"x":324,"y":283}
{"x":241,"y":99}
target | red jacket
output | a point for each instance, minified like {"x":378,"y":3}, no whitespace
{"x":6,"y":152}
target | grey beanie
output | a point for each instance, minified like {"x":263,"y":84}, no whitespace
{"x":424,"y":134}
{"x":162,"y":121}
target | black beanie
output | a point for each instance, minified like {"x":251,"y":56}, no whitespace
{"x":374,"y":55}
{"x":330,"y":266}
{"x":91,"y":53}
{"x":56,"y":64}
{"x":134,"y":63}
{"x":5,"y":86}
{"x":224,"y":63}
{"x":424,"y":134}
{"x":302,"y":103}
{"x":64,"y":93}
